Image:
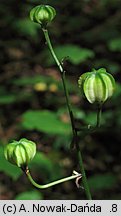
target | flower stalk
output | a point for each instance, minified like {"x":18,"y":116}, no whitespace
{"x":74,"y":131}
{"x":74,"y":176}
{"x":99,"y":113}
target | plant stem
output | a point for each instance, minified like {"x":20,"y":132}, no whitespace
{"x":46,"y":34}
{"x":99,"y":112}
{"x":62,"y":73}
{"x":84,"y":178}
{"x":76,"y":175}
{"x":74,"y":131}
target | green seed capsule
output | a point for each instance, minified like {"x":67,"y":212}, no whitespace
{"x":20,"y":153}
{"x":97,"y":86}
{"x":42,"y":14}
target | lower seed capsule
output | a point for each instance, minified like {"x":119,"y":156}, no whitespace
{"x":21,"y":152}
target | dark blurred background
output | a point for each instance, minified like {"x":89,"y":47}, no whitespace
{"x":87,"y":34}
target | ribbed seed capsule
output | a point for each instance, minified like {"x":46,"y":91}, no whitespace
{"x":20,"y":153}
{"x":42,"y":14}
{"x":97,"y":86}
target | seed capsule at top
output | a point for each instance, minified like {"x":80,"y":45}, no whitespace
{"x":20,"y":153}
{"x":97,"y":86}
{"x":42,"y":14}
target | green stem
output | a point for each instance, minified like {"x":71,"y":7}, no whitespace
{"x":45,"y":31}
{"x":84,"y":178}
{"x":99,"y":112}
{"x":76,"y":175}
{"x":74,"y":131}
{"x":62,"y":73}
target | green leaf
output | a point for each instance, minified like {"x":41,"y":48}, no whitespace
{"x":7,"y":99}
{"x":115,"y":44}
{"x":26,"y":27}
{"x":29,"y":195}
{"x":102,"y":181}
{"x":74,"y":53}
{"x":7,"y":168}
{"x":44,"y":121}
{"x":45,"y":166}
{"x":62,"y":142}
{"x":42,"y":161}
{"x":90,"y":118}
{"x":111,"y":66}
{"x":31,"y":80}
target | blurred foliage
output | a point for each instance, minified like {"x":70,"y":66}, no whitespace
{"x":44,"y":121}
{"x":85,"y":34}
{"x":44,"y":163}
{"x":26,"y":27}
{"x":73,"y":53}
{"x":7,"y":168}
{"x":102,"y":182}
{"x":115,"y":45}
{"x":29,"y":195}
